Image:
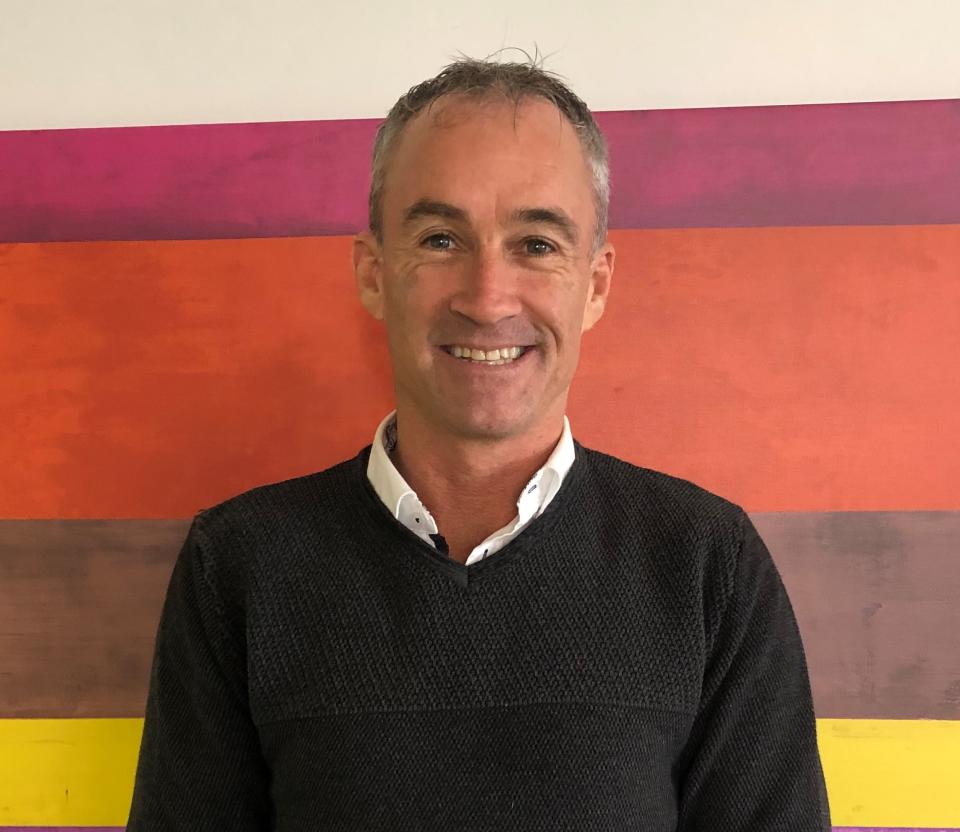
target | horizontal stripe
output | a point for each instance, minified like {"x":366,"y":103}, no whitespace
{"x":68,"y":772}
{"x":273,"y":179}
{"x":874,"y":594}
{"x":825,"y":164}
{"x":893,"y":773}
{"x":885,"y":773}
{"x":795,"y":369}
{"x":86,"y":650}
{"x":833,"y":164}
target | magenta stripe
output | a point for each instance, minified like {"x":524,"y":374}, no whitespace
{"x":894,"y":163}
{"x":828,"y":164}
{"x":273,"y":179}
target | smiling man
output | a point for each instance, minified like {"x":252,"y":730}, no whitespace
{"x":478,"y":623}
{"x":487,"y":260}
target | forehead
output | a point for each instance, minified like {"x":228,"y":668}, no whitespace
{"x":465,"y":149}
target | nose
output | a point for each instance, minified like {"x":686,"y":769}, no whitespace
{"x":488,"y":288}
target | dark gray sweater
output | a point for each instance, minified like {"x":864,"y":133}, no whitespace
{"x":630,"y":661}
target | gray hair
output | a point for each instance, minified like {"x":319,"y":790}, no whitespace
{"x":514,"y":82}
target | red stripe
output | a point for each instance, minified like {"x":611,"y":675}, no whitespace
{"x":789,"y":369}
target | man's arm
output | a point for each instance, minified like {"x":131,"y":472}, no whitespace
{"x":200,"y":766}
{"x":752,"y":763}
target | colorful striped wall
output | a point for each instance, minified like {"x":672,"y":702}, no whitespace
{"x":178,"y":323}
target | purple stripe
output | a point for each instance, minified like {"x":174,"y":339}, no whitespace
{"x":826,"y":164}
{"x":274,"y":179}
{"x":894,"y":163}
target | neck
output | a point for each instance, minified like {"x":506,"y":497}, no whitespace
{"x":470,"y":486}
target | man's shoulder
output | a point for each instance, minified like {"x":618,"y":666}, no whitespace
{"x":273,"y":503}
{"x":618,"y":472}
{"x":671,"y":501}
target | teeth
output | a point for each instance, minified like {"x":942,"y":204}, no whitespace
{"x":504,"y":355}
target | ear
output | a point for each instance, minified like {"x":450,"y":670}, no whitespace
{"x":368,"y":272}
{"x":601,"y":274}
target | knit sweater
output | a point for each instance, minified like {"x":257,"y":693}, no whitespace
{"x":630,"y":661}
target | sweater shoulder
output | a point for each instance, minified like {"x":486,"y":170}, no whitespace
{"x":676,"y":502}
{"x":697,"y":534}
{"x":313,"y":490}
{"x":262,"y":521}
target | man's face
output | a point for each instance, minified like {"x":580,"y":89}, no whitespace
{"x":488,"y":230}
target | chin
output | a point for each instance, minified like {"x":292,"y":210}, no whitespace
{"x":490,"y":424}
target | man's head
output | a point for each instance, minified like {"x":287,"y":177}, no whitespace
{"x":488,"y":210}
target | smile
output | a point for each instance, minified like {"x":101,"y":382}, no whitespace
{"x":494,"y":357}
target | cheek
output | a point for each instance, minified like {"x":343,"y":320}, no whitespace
{"x":421,"y":288}
{"x":561,"y":315}
{"x":411,"y":310}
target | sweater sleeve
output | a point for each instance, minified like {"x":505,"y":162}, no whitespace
{"x":752,"y":763}
{"x":200,"y":766}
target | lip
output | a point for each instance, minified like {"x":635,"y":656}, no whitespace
{"x":483,"y":367}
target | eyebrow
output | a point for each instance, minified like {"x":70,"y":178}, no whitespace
{"x":432,"y":208}
{"x":554,"y":217}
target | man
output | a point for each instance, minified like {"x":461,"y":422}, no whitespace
{"x":478,"y":623}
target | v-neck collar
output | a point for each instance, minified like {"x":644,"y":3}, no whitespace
{"x":461,"y":574}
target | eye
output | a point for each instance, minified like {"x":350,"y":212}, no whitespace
{"x":538,"y":247}
{"x":441,"y":241}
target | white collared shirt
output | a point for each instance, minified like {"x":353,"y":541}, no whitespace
{"x":403,"y":503}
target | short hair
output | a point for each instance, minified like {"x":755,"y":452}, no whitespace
{"x":484,"y":78}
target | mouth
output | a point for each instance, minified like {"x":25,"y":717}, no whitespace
{"x":501,"y":358}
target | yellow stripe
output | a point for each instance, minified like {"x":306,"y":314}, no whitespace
{"x":79,"y":772}
{"x":67,"y":772}
{"x":892,"y":772}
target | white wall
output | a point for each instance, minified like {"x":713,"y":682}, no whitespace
{"x":77,"y":63}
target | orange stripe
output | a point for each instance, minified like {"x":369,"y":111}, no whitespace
{"x":798,"y":369}
{"x":794,"y":368}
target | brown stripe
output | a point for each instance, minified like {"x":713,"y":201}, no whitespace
{"x":875,"y":594}
{"x":79,"y":606}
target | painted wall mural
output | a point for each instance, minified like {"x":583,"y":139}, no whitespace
{"x":178,"y":323}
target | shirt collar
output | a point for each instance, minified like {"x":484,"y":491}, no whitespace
{"x":403,"y":503}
